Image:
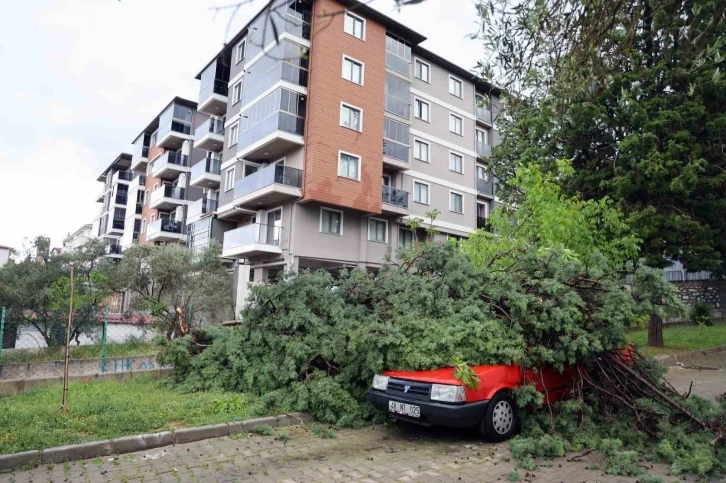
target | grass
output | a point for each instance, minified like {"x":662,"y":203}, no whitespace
{"x":680,"y":339}
{"x":102,"y":410}
{"x":121,"y":349}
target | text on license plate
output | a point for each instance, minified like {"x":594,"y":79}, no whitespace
{"x":405,"y":409}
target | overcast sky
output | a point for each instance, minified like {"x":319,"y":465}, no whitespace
{"x":83,"y":77}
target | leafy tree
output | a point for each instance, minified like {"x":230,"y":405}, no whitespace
{"x":633,"y":94}
{"x":177,"y":286}
{"x":37,"y":291}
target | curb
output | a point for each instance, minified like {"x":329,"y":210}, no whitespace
{"x":141,"y":442}
{"x":691,"y":353}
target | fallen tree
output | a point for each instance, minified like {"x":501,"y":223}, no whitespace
{"x":541,"y":290}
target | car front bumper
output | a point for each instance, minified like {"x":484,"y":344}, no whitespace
{"x":432,"y":413}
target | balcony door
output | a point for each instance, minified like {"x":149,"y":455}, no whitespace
{"x":386,"y":180}
{"x":482,"y":210}
{"x":274,"y":227}
{"x":481,"y":172}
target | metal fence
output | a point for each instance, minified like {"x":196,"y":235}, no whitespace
{"x":35,"y":348}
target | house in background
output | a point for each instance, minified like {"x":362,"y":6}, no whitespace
{"x":4,"y":254}
{"x":78,"y":238}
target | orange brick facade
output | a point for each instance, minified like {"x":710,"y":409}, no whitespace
{"x":324,"y":136}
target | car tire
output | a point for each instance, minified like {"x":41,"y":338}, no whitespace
{"x":500,"y":421}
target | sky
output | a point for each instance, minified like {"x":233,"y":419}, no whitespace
{"x":84,"y":77}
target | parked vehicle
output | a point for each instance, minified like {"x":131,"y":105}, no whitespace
{"x":437,"y":398}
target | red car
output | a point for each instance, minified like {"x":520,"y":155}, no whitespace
{"x":437,"y":398}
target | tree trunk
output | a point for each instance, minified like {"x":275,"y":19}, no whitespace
{"x":10,"y":335}
{"x":655,"y":331}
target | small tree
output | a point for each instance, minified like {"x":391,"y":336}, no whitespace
{"x":177,"y":286}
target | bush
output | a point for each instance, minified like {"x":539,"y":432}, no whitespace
{"x":702,"y":313}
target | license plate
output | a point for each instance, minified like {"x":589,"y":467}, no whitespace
{"x":405,"y":409}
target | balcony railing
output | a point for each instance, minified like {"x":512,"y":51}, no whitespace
{"x":279,"y":121}
{"x":209,"y":165}
{"x":483,"y":150}
{"x":170,"y":157}
{"x":216,"y":86}
{"x":399,"y":64}
{"x":397,"y":107}
{"x":395,"y":150}
{"x":125,"y":175}
{"x":483,"y":223}
{"x":485,"y":187}
{"x":138,"y":182}
{"x":166,"y":226}
{"x":250,"y":234}
{"x":275,"y":174}
{"x":211,"y":125}
{"x":174,"y":192}
{"x":395,"y":197}
{"x":201,"y":207}
{"x":484,"y":114}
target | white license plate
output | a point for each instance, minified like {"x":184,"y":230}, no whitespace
{"x":405,"y":409}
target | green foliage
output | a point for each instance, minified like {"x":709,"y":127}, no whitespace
{"x":527,"y":395}
{"x":282,"y":437}
{"x":514,"y":476}
{"x":323,"y":432}
{"x":234,"y":404}
{"x":702,"y":313}
{"x":465,"y":374}
{"x":264,"y":430}
{"x":619,"y":462}
{"x":650,"y":479}
{"x":180,"y":288}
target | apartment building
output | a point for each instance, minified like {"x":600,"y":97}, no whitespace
{"x":78,"y":238}
{"x":110,"y":223}
{"x":327,"y":127}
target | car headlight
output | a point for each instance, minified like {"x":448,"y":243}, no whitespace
{"x":447,"y":393}
{"x":380,"y":382}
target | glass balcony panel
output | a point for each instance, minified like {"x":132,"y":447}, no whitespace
{"x":278,"y":121}
{"x":483,"y":150}
{"x":395,"y":150}
{"x":213,"y":80}
{"x":396,"y":197}
{"x":484,"y":114}
{"x":275,"y":174}
{"x":293,"y":19}
{"x":209,"y":165}
{"x":211,"y":125}
{"x":253,"y":233}
{"x":485,"y":187}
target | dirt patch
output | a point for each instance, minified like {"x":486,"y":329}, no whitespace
{"x":709,"y":383}
{"x":175,"y":424}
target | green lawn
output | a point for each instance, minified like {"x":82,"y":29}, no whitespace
{"x":107,"y":409}
{"x":132,"y":348}
{"x":679,"y":339}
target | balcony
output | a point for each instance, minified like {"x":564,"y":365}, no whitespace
{"x":272,"y":137}
{"x":482,"y":223}
{"x":485,"y":187}
{"x":122,"y":177}
{"x":169,"y":165}
{"x":138,"y":183}
{"x":165,"y":230}
{"x":101,"y":195}
{"x":197,"y":209}
{"x":395,"y":155}
{"x":269,"y":186}
{"x":140,"y":158}
{"x":167,"y":198}
{"x":206,"y":174}
{"x":213,"y":96}
{"x":483,"y":150}
{"x":115,"y":227}
{"x":121,"y":198}
{"x":113,"y":251}
{"x":484,"y":114}
{"x":209,"y":135}
{"x":395,"y":201}
{"x":251,"y":240}
{"x":175,"y":127}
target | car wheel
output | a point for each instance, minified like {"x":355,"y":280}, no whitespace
{"x":500,"y":421}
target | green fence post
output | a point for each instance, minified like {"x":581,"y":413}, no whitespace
{"x":103,"y":340}
{"x":2,"y":334}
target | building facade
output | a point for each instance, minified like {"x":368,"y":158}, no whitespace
{"x":110,"y":223}
{"x":78,"y":238}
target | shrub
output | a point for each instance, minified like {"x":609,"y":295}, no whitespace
{"x":702,"y":313}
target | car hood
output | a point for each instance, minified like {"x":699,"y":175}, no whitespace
{"x":441,"y":376}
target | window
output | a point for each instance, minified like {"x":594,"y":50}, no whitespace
{"x":241,"y":50}
{"x":398,"y":54}
{"x":331,"y":221}
{"x":421,"y":110}
{"x":396,"y":139}
{"x":397,"y":96}
{"x":421,"y":150}
{"x":456,"y":124}
{"x":352,"y":70}
{"x":481,"y":172}
{"x":456,"y":87}
{"x":405,"y":237}
{"x":456,"y":202}
{"x":355,"y":26}
{"x":377,"y":230}
{"x":456,"y":162}
{"x":351,"y":117}
{"x":422,"y":71}
{"x":349,"y":165}
{"x":482,"y":137}
{"x":233,"y":135}
{"x":420,"y":192}
{"x":229,"y":179}
{"x":482,"y":101}
{"x":237,"y":92}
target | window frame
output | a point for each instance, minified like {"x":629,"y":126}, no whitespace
{"x":417,"y":100}
{"x":385,"y":233}
{"x":237,"y":92}
{"x":428,"y":150}
{"x":452,"y":115}
{"x":333,"y":210}
{"x":458,"y":82}
{"x":486,"y":136}
{"x":362,"y":69}
{"x":355,"y":17}
{"x":242,"y":43}
{"x":428,"y":192}
{"x":484,"y":169}
{"x":355,"y":108}
{"x":227,"y":173}
{"x":486,"y":209}
{"x":416,"y":60}
{"x":233,"y":129}
{"x":401,"y":229}
{"x":460,"y":194}
{"x":360,"y":164}
{"x":460,"y":155}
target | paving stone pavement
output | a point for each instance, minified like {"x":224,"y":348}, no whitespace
{"x":395,"y":452}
